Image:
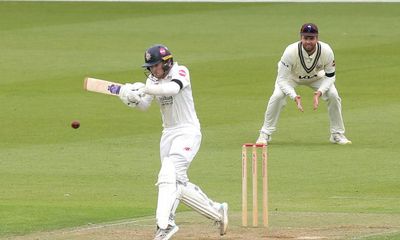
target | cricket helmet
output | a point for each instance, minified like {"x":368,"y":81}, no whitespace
{"x":309,"y":29}
{"x":156,"y":54}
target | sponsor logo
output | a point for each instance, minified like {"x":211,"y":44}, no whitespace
{"x":166,"y":100}
{"x":182,"y":73}
{"x":307,"y":77}
{"x":162,"y":51}
{"x":187,"y":149}
{"x":284,"y":64}
{"x":114,"y":89}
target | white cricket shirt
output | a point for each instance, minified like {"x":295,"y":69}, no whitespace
{"x":178,"y":110}
{"x":298,"y":66}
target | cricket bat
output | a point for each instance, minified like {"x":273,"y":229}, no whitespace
{"x":101,"y":86}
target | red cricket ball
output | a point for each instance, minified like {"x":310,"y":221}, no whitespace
{"x":75,"y":124}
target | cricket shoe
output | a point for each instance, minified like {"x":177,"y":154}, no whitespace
{"x":223,"y":224}
{"x":165,"y":234}
{"x":264,"y":138}
{"x":339,"y":138}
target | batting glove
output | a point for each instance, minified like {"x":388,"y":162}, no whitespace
{"x":130,"y":94}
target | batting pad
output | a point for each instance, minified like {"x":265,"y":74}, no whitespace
{"x":167,"y":193}
{"x":192,"y":196}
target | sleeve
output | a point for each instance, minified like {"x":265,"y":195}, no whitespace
{"x":181,"y":77}
{"x":284,"y":68}
{"x":330,"y":76}
{"x":146,"y":100}
{"x":330,"y":66}
{"x":166,"y":89}
{"x":180,"y":80}
{"x":145,"y":103}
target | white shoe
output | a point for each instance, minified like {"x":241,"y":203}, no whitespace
{"x":339,"y":138}
{"x":223,"y":224}
{"x":165,"y":234}
{"x":263,"y":138}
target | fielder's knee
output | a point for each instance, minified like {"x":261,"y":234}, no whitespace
{"x":333,"y":98}
{"x":278,"y":97}
{"x":331,"y":95}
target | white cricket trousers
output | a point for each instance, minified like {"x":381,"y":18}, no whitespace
{"x":278,"y":101}
{"x":178,"y":147}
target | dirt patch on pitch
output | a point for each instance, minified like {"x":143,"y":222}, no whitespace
{"x":283,"y":225}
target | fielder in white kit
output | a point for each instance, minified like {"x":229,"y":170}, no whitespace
{"x":169,"y":83}
{"x":307,"y":62}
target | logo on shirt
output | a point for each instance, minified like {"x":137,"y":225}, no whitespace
{"x":182,"y":73}
{"x":308,"y":77}
{"x":166,"y":100}
{"x":187,"y":149}
{"x":284,"y":64}
{"x":333,"y":63}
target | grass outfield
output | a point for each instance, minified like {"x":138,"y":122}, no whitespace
{"x":53,"y":177}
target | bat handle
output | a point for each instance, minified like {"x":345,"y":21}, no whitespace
{"x":114,"y":89}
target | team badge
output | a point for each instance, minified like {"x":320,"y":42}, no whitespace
{"x":148,"y":56}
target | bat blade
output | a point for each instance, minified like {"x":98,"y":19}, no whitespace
{"x":101,"y":86}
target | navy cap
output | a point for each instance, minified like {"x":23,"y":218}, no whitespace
{"x":309,"y":29}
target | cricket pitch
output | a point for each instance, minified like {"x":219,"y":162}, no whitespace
{"x":283,"y":225}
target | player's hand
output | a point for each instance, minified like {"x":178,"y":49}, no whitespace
{"x":134,"y":98}
{"x":317,"y":95}
{"x":130,"y":94}
{"x":136,"y":92}
{"x":297,"y":99}
{"x":137,"y":86}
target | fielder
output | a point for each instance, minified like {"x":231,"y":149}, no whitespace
{"x":308,"y":62}
{"x":169,"y":84}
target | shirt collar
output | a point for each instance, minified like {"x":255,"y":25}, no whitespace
{"x":305,"y":53}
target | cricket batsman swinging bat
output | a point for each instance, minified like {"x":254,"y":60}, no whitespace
{"x":102,"y":86}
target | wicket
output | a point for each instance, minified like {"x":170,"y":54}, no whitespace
{"x":254,"y":148}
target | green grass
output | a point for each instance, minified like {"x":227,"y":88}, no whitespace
{"x":52,"y":176}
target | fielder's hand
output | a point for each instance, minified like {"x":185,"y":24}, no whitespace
{"x":317,"y":95}
{"x":297,"y":99}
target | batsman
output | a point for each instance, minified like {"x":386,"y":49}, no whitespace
{"x":308,"y":62}
{"x":169,"y":83}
